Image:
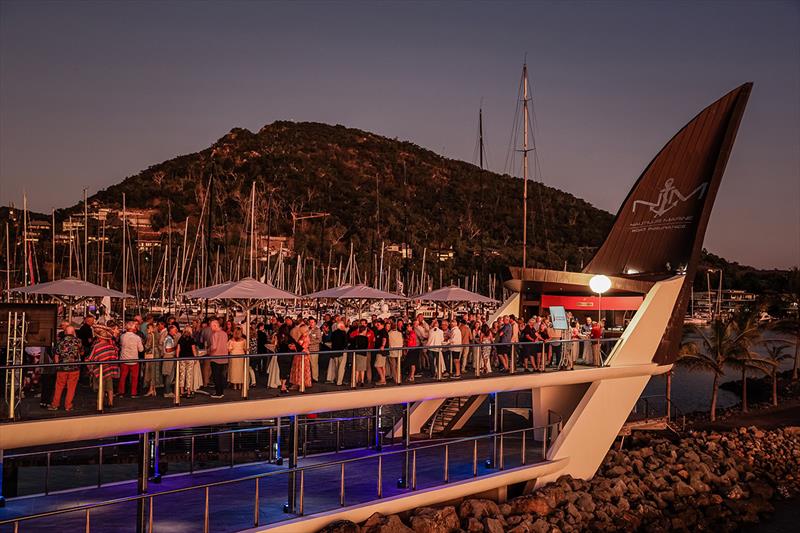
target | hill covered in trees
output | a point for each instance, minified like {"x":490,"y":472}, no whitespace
{"x":375,"y":190}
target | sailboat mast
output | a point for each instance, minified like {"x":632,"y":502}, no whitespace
{"x":480,"y":136}
{"x":25,"y":238}
{"x":53,"y":235}
{"x":85,"y":238}
{"x":252,"y":225}
{"x":524,"y":166}
{"x":124,"y":254}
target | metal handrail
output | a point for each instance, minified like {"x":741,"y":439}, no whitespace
{"x":442,"y":347}
{"x":341,"y":353}
{"x":296,"y":470}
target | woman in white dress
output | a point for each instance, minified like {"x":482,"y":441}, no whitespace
{"x":237,"y":345}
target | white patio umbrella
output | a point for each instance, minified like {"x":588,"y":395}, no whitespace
{"x":246,"y":292}
{"x":71,"y":291}
{"x":356,"y":295}
{"x":452,"y":296}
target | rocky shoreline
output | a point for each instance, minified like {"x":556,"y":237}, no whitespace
{"x":700,"y":481}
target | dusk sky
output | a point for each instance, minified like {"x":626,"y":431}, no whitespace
{"x":92,"y":92}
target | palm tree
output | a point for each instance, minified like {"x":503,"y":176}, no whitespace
{"x":728,"y":342}
{"x":776,"y":354}
{"x":791,"y":326}
{"x":708,"y":355}
{"x":742,"y":357}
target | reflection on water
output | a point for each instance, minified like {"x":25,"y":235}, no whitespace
{"x":691,"y":390}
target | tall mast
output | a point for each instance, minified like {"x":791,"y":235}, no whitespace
{"x":124,"y":254}
{"x":85,"y":238}
{"x":8,"y":266}
{"x":25,"y":237}
{"x":524,"y":166}
{"x":53,"y":235}
{"x":480,"y":136}
{"x":252,"y":225}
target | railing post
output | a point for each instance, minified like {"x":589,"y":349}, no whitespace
{"x":338,"y":435}
{"x":205,"y":512}
{"x":47,"y":475}
{"x":177,"y":392}
{"x":155,"y":456}
{"x":141,"y":481}
{"x":475,"y":458}
{"x":99,"y":466}
{"x":501,"y":461}
{"x":494,"y":416}
{"x":233,"y":444}
{"x":246,"y":378}
{"x":271,"y":456}
{"x":544,"y":442}
{"x":256,"y":505}
{"x":353,"y":372}
{"x":446,"y":463}
{"x":341,"y":486}
{"x":377,"y":427}
{"x":524,"y":450}
{"x":294,"y":432}
{"x":99,"y":389}
{"x":302,"y":491}
{"x":513,"y":362}
{"x":12,"y":397}
{"x":88,"y":527}
{"x":302,"y":372}
{"x":380,"y":476}
{"x":191,"y":456}
{"x":150,"y":516}
{"x":414,"y":470}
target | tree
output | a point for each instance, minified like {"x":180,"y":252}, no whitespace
{"x":742,"y":357}
{"x":728,"y":342}
{"x":776,"y":354}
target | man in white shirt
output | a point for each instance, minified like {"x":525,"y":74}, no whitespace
{"x":436,"y":340}
{"x":455,"y":351}
{"x":130,"y":345}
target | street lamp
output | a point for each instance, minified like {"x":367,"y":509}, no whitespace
{"x":599,"y":284}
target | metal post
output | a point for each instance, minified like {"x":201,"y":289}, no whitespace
{"x":494,"y":416}
{"x":524,"y":454}
{"x":2,"y":498}
{"x":414,"y":470}
{"x":294,"y":431}
{"x":87,"y":527}
{"x":500,"y":458}
{"x":446,"y":463}
{"x":99,"y":466}
{"x":377,"y":424}
{"x":338,"y":436}
{"x":12,"y":398}
{"x":475,"y":458}
{"x":302,"y":372}
{"x":353,"y":372}
{"x":150,"y":516}
{"x":100,"y":390}
{"x":302,"y":492}
{"x":177,"y":391}
{"x":47,"y":475}
{"x":191,"y":456}
{"x":544,"y":442}
{"x":246,"y":370}
{"x":141,"y":480}
{"x":380,"y":476}
{"x":271,"y":456}
{"x":403,"y":483}
{"x":233,"y":445}
{"x":341,"y":487}
{"x":256,"y":505}
{"x":205,"y":512}
{"x":155,"y":457}
{"x":305,"y":438}
{"x":278,"y":450}
{"x":513,"y":362}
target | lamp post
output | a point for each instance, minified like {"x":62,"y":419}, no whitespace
{"x":599,"y":284}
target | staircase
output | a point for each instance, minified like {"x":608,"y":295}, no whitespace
{"x":445,"y":415}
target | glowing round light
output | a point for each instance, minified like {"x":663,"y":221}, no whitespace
{"x":599,"y":284}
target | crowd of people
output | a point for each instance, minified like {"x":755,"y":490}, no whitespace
{"x":333,"y":350}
